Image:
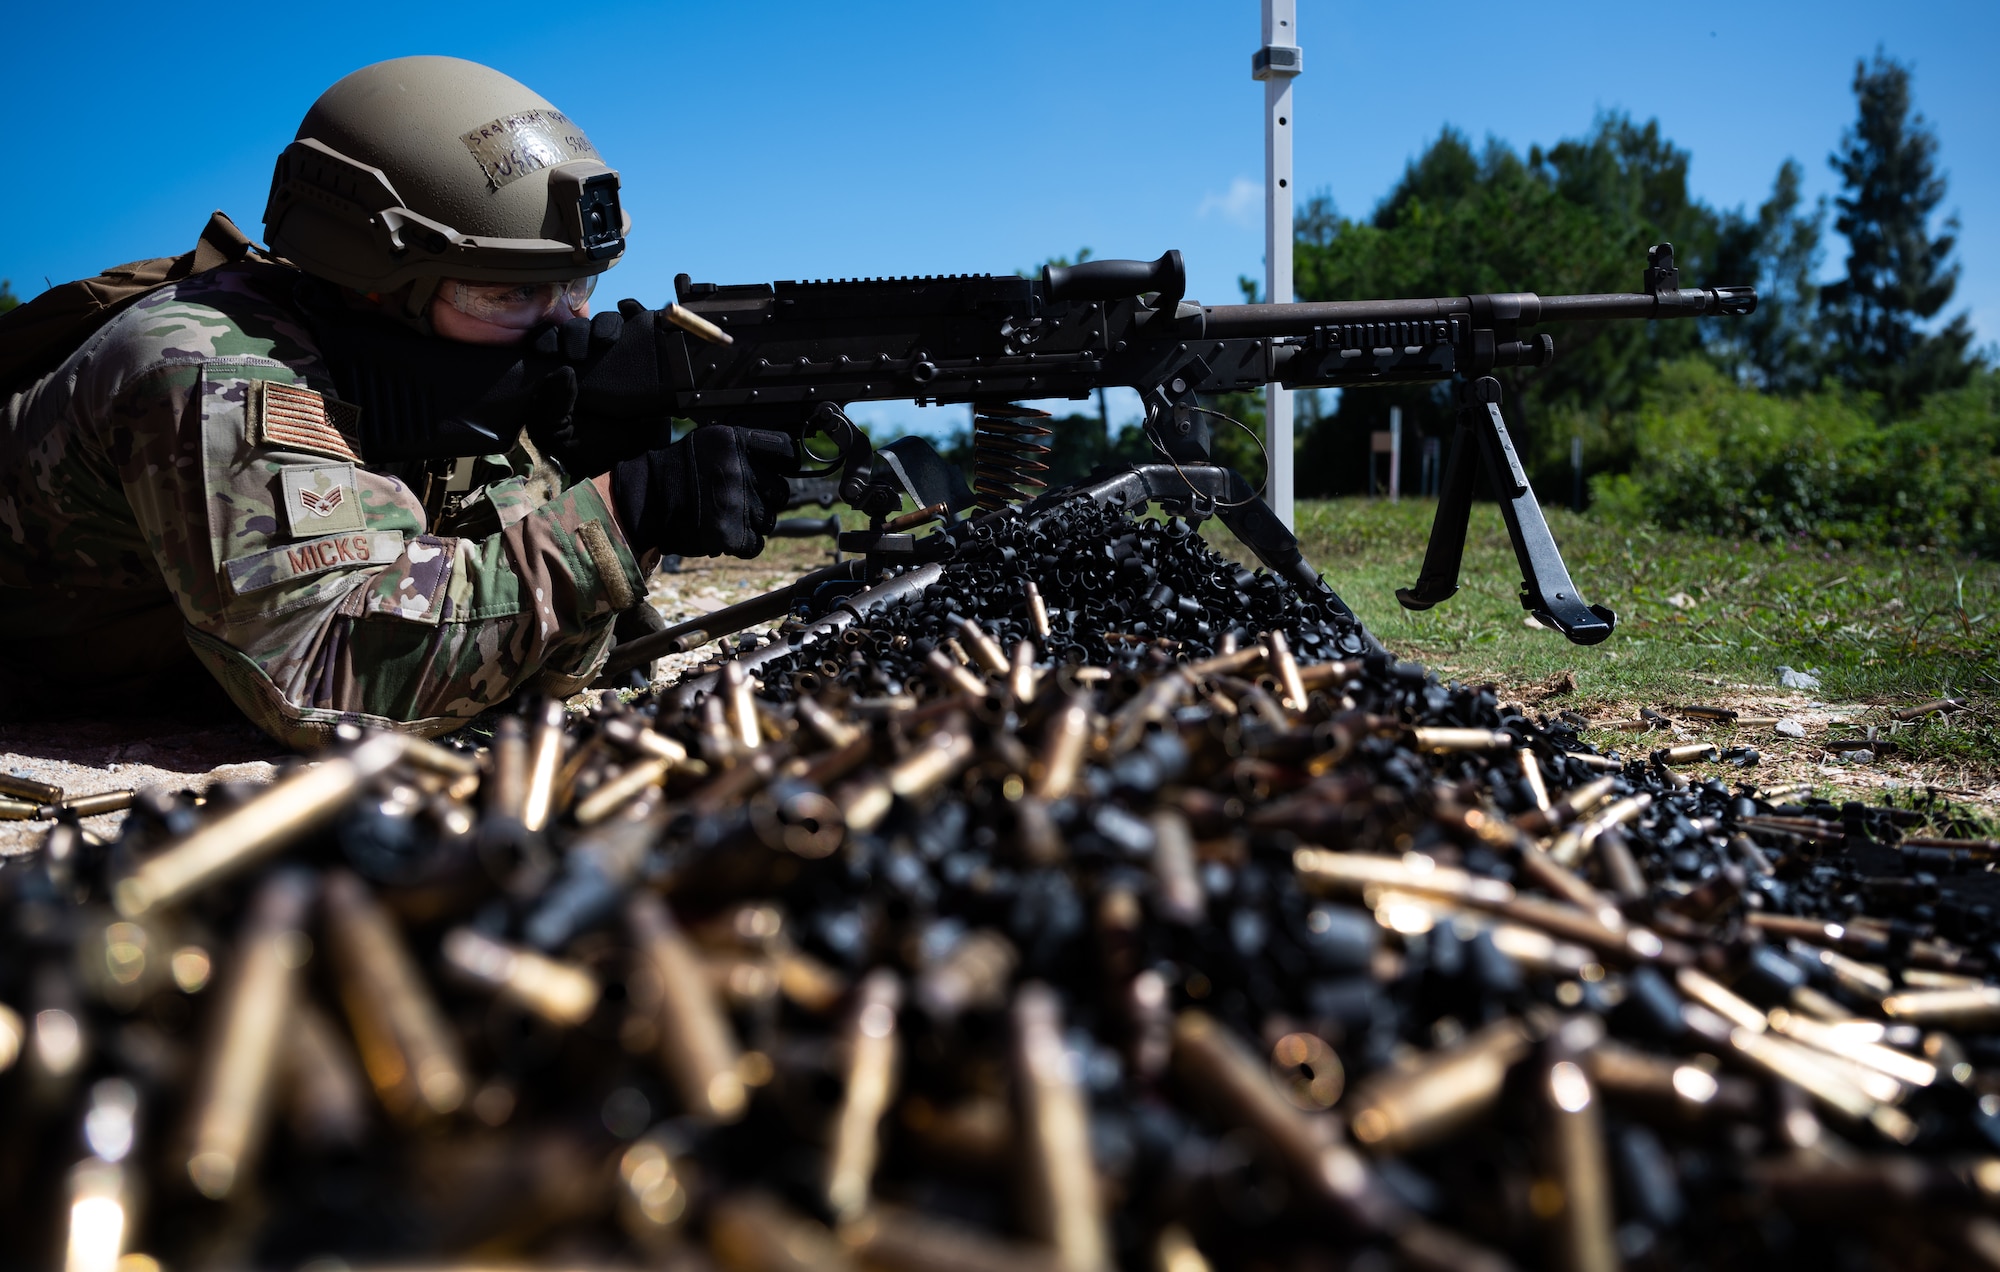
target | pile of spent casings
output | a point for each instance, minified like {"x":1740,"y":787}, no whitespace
{"x":1189,"y":952}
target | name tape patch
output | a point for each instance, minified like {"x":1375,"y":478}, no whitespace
{"x":321,"y":500}
{"x":515,"y":145}
{"x":315,"y":556}
{"x":294,"y":417}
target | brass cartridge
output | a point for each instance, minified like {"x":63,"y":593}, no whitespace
{"x":1573,"y":844}
{"x":755,"y":1232}
{"x":29,"y":791}
{"x":1952,"y":1008}
{"x":1064,"y":1205}
{"x":260,"y":826}
{"x":931,"y":763}
{"x":406,"y":1048}
{"x":1063,"y":749}
{"x":1394,"y":1112}
{"x":1181,"y":896}
{"x":1444,"y":740}
{"x":896,"y":1239}
{"x":1621,"y":869}
{"x":1212,"y":1062}
{"x":1531,"y":776}
{"x":739,"y":706}
{"x":560,"y":993}
{"x":652,"y":1197}
{"x":95,"y":805}
{"x":871,"y":1071}
{"x":1573,"y":1199}
{"x":1038,"y":612}
{"x":325,"y":1097}
{"x":641,"y":775}
{"x":986,"y":652}
{"x":1022,"y":678}
{"x":832,"y":730}
{"x":697,"y":1050}
{"x":545,"y":753}
{"x":954,"y":675}
{"x":1566,"y":810}
{"x":238,"y":1072}
{"x":1688,"y":753}
{"x":505,"y":790}
{"x":1278,"y":653}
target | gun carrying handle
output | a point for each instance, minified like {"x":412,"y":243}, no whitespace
{"x":1116,"y":280}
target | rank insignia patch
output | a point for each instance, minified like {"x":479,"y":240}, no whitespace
{"x":292,"y":417}
{"x":321,"y":500}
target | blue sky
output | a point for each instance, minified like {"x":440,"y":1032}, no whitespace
{"x":786,"y":140}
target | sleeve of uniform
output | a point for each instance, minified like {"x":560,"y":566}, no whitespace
{"x":310,"y":585}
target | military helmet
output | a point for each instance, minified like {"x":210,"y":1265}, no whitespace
{"x":424,"y":168}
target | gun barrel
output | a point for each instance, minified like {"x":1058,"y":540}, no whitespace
{"x":1525,"y":309}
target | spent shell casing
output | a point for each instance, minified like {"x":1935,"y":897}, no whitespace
{"x":1687,"y":753}
{"x":1394,"y":1112}
{"x":921,"y":517}
{"x":505,"y":790}
{"x":1531,"y":777}
{"x":1691,"y":1087}
{"x":100,"y":1221}
{"x":239,"y":1071}
{"x":871,"y":1073}
{"x":755,"y":1232}
{"x":20,"y":810}
{"x":898,"y":1239}
{"x":291,"y":808}
{"x":698,"y":1051}
{"x":95,"y":804}
{"x":1181,"y":897}
{"x":1063,"y":748}
{"x":1565,"y":811}
{"x":832,"y":730}
{"x":1213,"y":1063}
{"x":29,"y":791}
{"x":325,"y":1096}
{"x":1038,"y":612}
{"x":932,"y":762}
{"x":409,"y":1053}
{"x":1462,"y":739}
{"x":1575,"y":1202}
{"x":1574,"y":844}
{"x":1064,"y":1200}
{"x":954,"y":675}
{"x":986,"y":652}
{"x":560,"y":993}
{"x":1278,"y":653}
{"x":739,"y":704}
{"x":1621,"y":869}
{"x":641,"y":775}
{"x":1950,"y":1008}
{"x":1022,"y":678}
{"x":545,"y":754}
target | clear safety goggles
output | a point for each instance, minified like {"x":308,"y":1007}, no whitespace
{"x":519,"y":305}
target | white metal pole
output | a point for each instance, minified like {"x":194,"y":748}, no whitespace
{"x":1276,"y":63}
{"x":1395,"y":453}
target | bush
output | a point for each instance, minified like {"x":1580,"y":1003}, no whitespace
{"x":1716,"y":456}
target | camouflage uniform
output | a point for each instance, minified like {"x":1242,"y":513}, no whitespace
{"x":184,"y":475}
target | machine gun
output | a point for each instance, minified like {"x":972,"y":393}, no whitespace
{"x":793,"y":355}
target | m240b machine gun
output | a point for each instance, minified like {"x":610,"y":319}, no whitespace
{"x":793,"y":355}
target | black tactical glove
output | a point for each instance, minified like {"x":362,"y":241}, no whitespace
{"x":615,"y":406}
{"x":718,"y":490}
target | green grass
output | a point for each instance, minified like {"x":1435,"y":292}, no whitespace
{"x":1886,"y":628}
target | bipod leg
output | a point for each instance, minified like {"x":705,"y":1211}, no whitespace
{"x":1546,"y":589}
{"x":1438,"y":580}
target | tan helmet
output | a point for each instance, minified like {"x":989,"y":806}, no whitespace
{"x":422,"y":168}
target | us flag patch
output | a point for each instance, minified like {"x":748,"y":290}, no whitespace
{"x":293,"y":417}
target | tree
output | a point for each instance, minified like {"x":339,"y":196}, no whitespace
{"x":1782,"y":347}
{"x":7,"y":297}
{"x":1898,"y":275}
